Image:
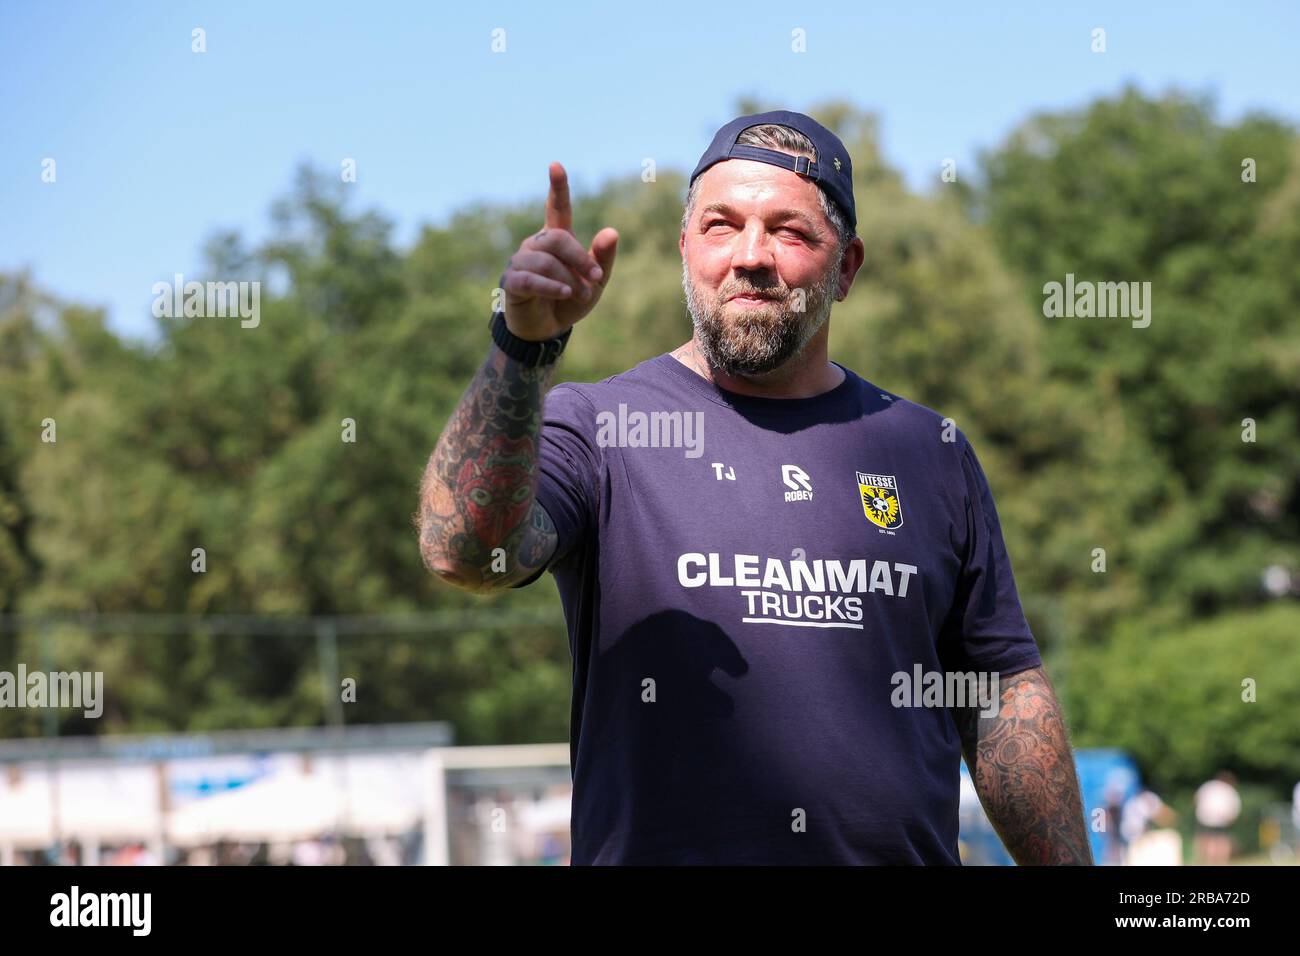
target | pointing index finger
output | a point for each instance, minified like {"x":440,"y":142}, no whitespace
{"x":559,"y":214}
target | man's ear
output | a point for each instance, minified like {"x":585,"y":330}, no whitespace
{"x":855,"y":253}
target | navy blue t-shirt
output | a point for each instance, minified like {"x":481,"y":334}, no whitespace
{"x":742,"y":578}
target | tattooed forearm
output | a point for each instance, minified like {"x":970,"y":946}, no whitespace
{"x":1023,"y":770}
{"x":477,"y":492}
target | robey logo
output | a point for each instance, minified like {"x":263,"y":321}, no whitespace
{"x":795,"y":477}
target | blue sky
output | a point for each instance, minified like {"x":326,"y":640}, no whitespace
{"x":156,"y":146}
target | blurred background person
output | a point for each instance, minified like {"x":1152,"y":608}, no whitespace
{"x":1217,"y":807}
{"x":1145,"y":824}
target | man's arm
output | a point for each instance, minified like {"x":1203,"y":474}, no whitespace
{"x":477,"y":504}
{"x":1023,"y":770}
{"x":477,"y":495}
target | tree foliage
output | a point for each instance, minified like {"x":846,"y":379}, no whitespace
{"x":1095,"y":434}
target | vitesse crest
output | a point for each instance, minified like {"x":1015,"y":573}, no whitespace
{"x":880,"y":500}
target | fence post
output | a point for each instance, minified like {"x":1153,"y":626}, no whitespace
{"x":327,"y":651}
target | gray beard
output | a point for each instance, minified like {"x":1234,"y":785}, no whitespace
{"x":757,"y":340}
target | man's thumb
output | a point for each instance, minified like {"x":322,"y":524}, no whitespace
{"x":604,"y":246}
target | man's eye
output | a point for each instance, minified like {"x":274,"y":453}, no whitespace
{"x":715,"y":222}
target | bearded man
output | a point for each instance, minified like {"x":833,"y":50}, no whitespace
{"x":738,"y":619}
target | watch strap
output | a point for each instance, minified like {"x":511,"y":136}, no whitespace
{"x":532,"y":354}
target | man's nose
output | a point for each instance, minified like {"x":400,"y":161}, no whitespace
{"x":753,"y":250}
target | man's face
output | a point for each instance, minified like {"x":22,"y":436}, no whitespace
{"x":759,"y":230}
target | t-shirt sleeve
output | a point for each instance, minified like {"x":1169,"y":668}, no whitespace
{"x":989,"y":625}
{"x":568,"y":463}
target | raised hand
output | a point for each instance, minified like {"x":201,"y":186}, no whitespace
{"x":552,"y":282}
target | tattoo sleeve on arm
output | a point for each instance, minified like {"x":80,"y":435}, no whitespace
{"x":477,"y":494}
{"x":1023,"y":770}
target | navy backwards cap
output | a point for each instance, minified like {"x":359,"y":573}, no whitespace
{"x":832,"y":170}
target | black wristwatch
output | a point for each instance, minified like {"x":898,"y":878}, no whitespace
{"x":531,"y":354}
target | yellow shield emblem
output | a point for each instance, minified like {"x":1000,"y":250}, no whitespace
{"x":880,"y":501}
